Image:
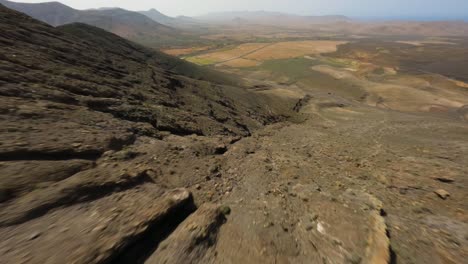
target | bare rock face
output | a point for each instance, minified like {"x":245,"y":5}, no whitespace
{"x":443,"y":194}
{"x":24,"y":176}
{"x":95,"y":232}
{"x":193,"y":240}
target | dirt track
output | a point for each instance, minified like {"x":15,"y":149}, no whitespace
{"x":243,"y":55}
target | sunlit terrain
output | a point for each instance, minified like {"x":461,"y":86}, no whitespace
{"x":231,"y":137}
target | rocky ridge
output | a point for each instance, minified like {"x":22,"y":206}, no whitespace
{"x":88,"y":125}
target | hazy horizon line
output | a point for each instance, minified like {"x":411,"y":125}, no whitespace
{"x":403,"y":17}
{"x":366,"y":18}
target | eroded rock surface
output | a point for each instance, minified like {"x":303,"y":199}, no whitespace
{"x":193,"y":240}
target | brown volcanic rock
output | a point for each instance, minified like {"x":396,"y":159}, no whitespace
{"x":26,"y":175}
{"x":93,"y":232}
{"x":191,"y":241}
{"x":92,"y":128}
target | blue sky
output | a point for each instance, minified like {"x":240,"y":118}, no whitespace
{"x":354,"y":8}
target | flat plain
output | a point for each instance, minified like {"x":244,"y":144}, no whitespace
{"x":252,"y":54}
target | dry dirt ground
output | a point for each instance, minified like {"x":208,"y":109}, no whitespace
{"x":253,"y":54}
{"x":375,"y":179}
{"x":346,"y":184}
{"x":351,"y":184}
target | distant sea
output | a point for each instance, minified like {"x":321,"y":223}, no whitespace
{"x":415,"y":18}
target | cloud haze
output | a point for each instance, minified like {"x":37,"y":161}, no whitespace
{"x":361,"y":8}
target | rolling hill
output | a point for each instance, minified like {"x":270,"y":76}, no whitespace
{"x":399,"y":28}
{"x":270,"y":18}
{"x":185,"y":23}
{"x":158,"y":16}
{"x":337,"y":24}
{"x":127,"y":24}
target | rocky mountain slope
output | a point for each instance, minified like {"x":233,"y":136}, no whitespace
{"x":184,"y":23}
{"x":76,"y":105}
{"x":127,"y":24}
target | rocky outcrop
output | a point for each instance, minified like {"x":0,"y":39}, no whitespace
{"x":94,"y":232}
{"x":192,"y":240}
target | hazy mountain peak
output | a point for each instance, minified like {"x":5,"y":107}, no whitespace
{"x":125,"y":23}
{"x":271,"y":18}
{"x":106,"y":8}
{"x":157,"y":16}
{"x":154,"y":10}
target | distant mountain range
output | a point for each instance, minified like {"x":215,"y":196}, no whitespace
{"x":401,"y":28}
{"x":155,"y":29}
{"x":270,"y":18}
{"x":127,"y":24}
{"x":159,"y":17}
{"x":182,"y":22}
{"x":339,"y":24}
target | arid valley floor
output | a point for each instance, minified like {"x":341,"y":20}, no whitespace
{"x":382,"y":139}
